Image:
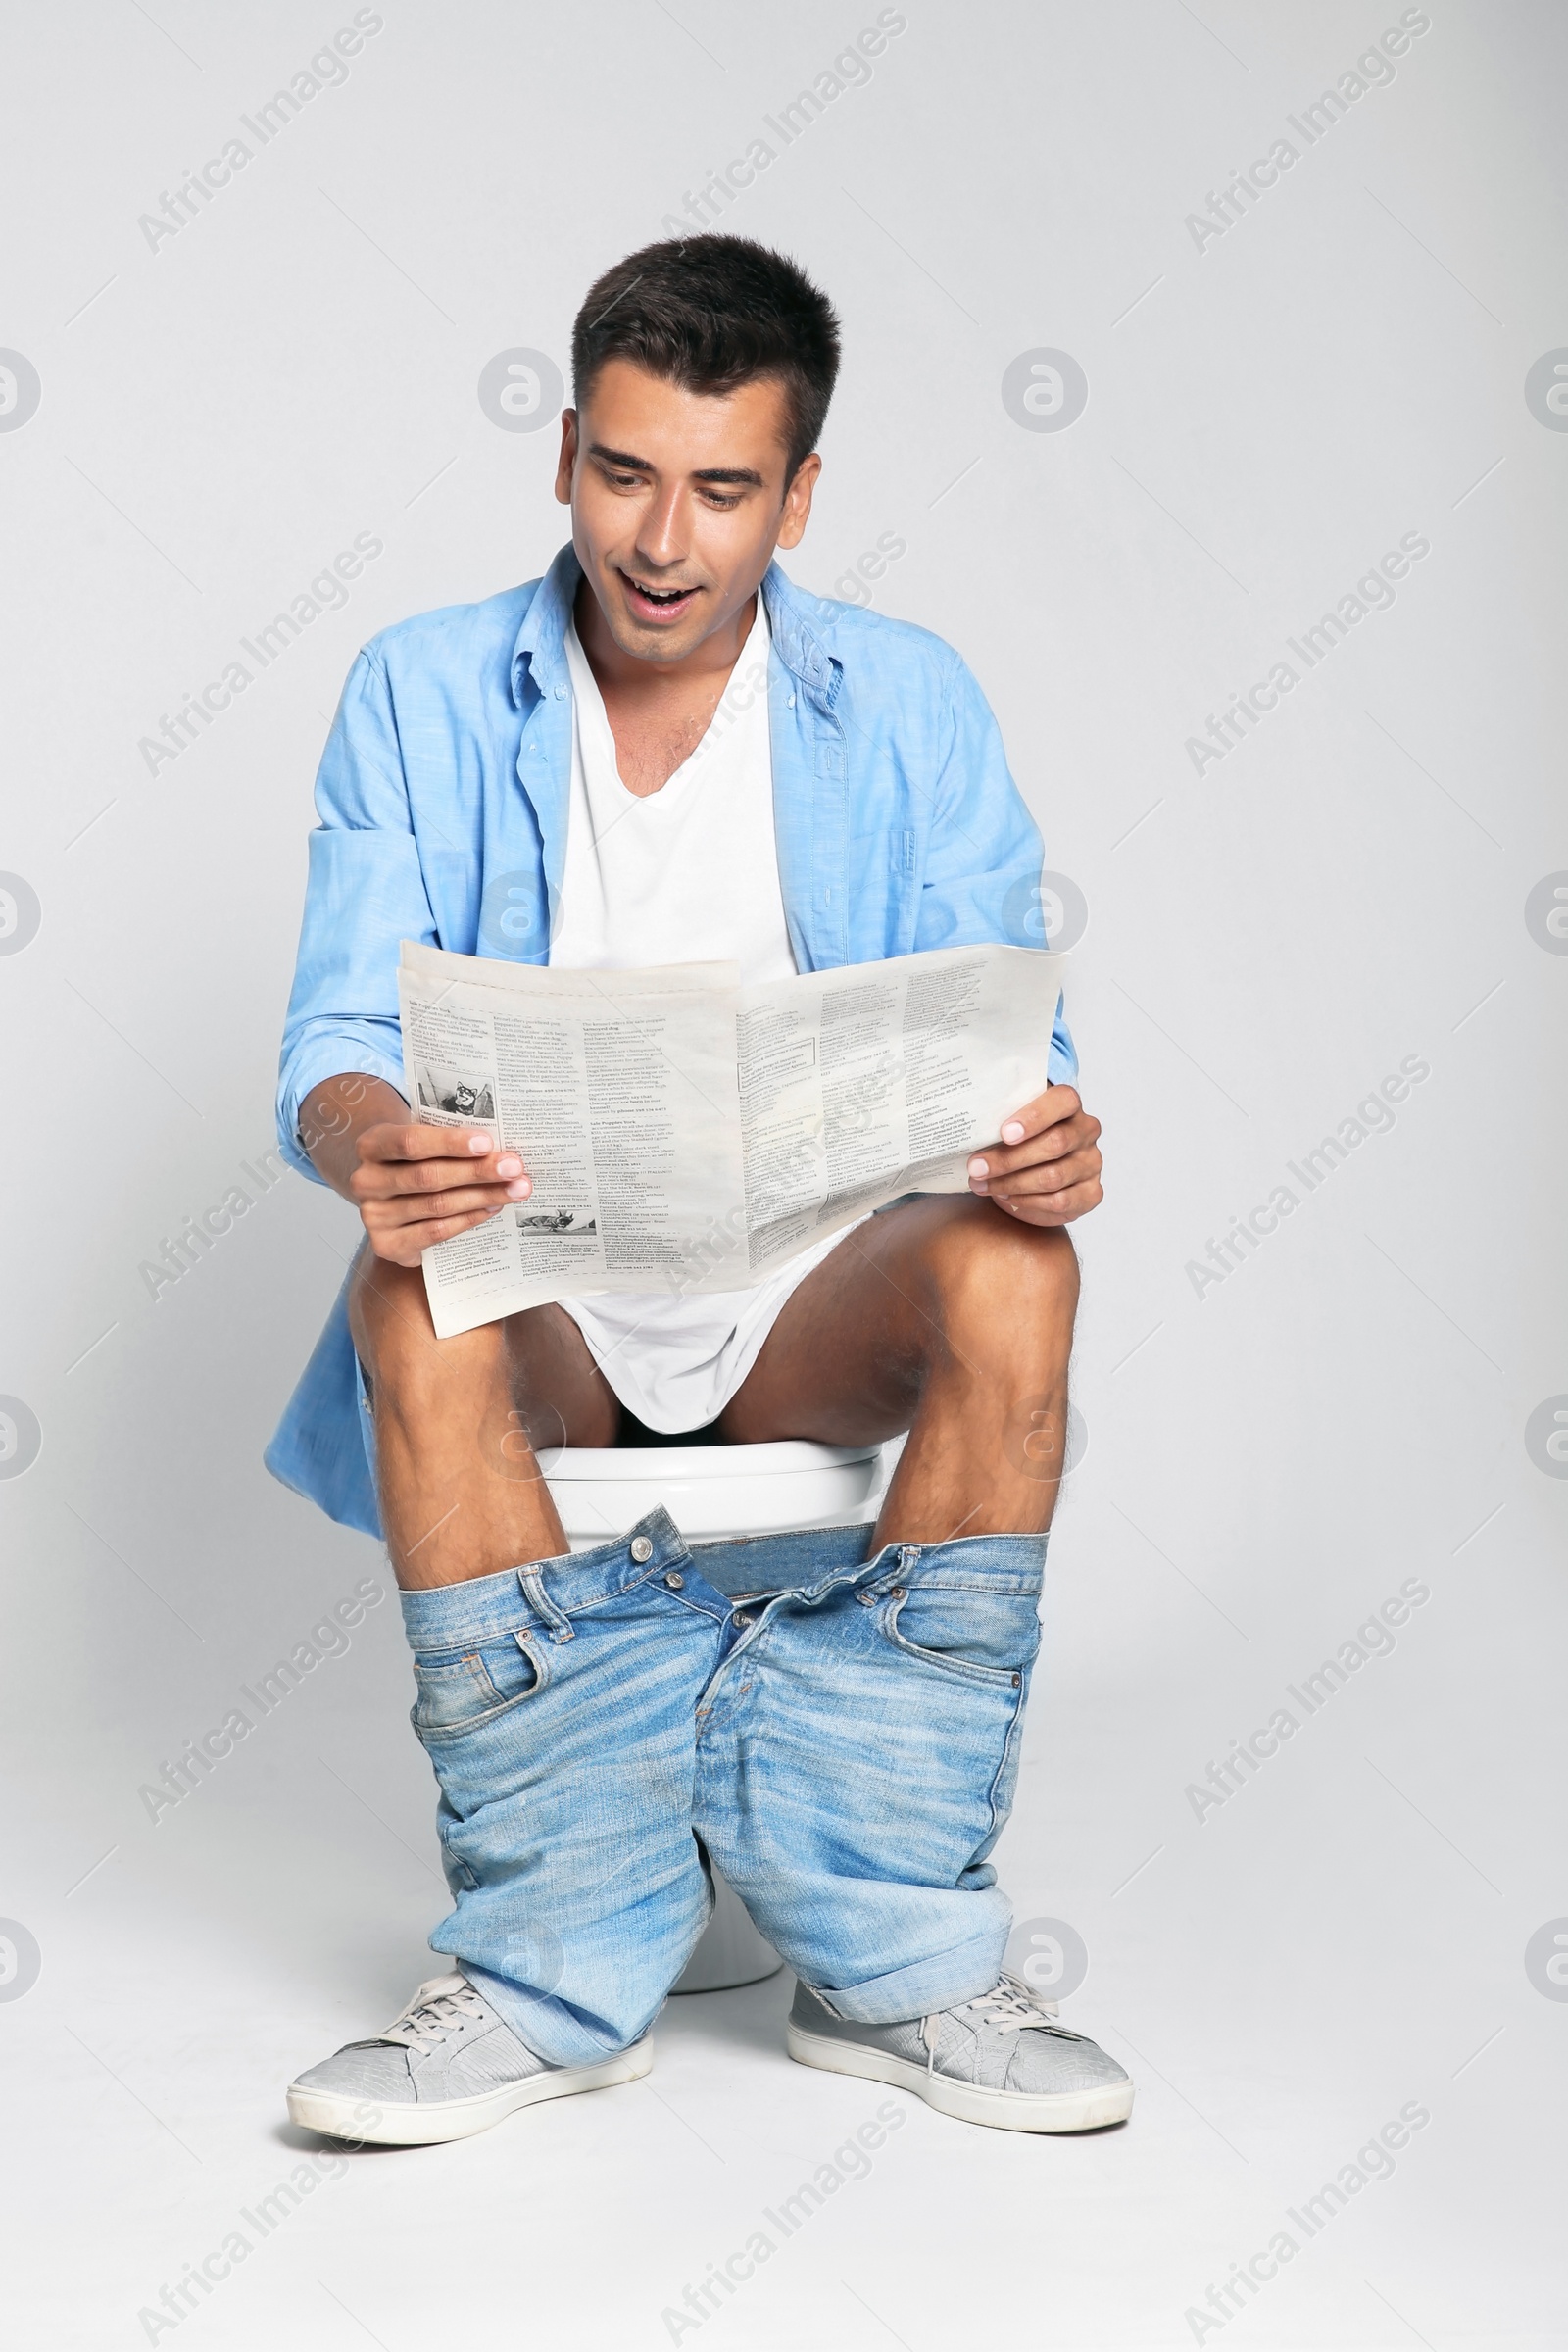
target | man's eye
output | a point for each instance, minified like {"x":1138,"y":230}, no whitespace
{"x":719,"y":498}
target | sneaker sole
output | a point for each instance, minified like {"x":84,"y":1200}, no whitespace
{"x":968,"y":2102}
{"x":416,"y":2127}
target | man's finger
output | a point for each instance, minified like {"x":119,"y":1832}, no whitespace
{"x":418,"y":1208}
{"x":405,"y":1245}
{"x":1057,"y":1176}
{"x":395,"y":1179}
{"x":1056,"y":1141}
{"x":1056,"y":1104}
{"x":441,"y":1229}
{"x":1055,"y":1208}
{"x":397,"y":1142}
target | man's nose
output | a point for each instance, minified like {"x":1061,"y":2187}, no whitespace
{"x":662,"y":534}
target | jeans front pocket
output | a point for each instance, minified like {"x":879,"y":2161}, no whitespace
{"x":457,"y":1694}
{"x":978,"y":1636}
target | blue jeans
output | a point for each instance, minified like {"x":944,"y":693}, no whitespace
{"x":839,"y":1729}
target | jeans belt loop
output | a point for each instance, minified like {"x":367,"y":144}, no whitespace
{"x":533,"y":1584}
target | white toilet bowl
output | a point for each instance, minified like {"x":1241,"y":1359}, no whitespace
{"x":712,"y":1492}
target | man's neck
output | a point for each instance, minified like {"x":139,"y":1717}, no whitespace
{"x":658,"y":711}
{"x":696,"y":680}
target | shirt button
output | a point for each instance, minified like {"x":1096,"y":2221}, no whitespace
{"x":899,"y":1592}
{"x":675,"y":1580}
{"x":560,"y":693}
{"x":742,"y":1619}
{"x":641,"y":1550}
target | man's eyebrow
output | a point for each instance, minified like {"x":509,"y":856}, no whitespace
{"x":621,"y":457}
{"x":743,"y":475}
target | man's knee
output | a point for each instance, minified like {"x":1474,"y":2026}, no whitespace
{"x":1000,"y":1288}
{"x":394,"y":1338}
{"x":387,"y":1305}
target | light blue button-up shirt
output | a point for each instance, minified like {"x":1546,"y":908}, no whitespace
{"x":443,"y":796}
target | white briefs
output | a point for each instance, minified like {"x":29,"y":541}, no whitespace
{"x":677,"y":1362}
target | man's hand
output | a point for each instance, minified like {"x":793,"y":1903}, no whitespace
{"x":1046,"y":1170}
{"x":413,"y":1186}
{"x":416,"y":1186}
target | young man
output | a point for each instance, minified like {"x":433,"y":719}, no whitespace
{"x":663,"y":751}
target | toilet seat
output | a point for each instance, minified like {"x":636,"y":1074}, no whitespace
{"x":711,"y":1490}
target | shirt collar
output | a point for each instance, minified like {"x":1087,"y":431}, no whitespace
{"x":794,"y":641}
{"x":540,"y":649}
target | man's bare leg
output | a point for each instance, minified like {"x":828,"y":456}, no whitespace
{"x":458,"y":1422}
{"x":944,"y":1318}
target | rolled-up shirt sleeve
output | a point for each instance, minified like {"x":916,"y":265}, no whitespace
{"x":364,"y":893}
{"x":983,"y":860}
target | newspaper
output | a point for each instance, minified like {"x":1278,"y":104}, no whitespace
{"x":686,"y":1133}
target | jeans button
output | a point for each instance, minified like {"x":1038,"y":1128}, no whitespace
{"x":899,"y":1592}
{"x":641,"y":1550}
{"x":675,"y":1580}
{"x":742,"y":1619}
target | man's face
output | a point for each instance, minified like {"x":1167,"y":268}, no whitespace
{"x":678,"y":501}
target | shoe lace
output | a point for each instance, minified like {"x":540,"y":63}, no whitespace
{"x":1007,"y":2008}
{"x":439,"y":2008}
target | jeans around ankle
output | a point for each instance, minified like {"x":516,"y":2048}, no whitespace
{"x":840,"y":1730}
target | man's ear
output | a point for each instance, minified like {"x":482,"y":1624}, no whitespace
{"x":798,"y":501}
{"x":569,"y":455}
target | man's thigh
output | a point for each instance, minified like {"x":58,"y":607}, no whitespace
{"x":847,"y":1360}
{"x":534,"y":1368}
{"x":556,"y":1389}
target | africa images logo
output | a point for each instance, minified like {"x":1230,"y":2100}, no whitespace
{"x":1044,"y":390}
{"x":1545,"y":390}
{"x":20,"y":913}
{"x":521,"y":389}
{"x":20,"y":1960}
{"x":20,"y":390}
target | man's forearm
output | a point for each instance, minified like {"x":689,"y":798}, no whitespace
{"x":335,"y":1115}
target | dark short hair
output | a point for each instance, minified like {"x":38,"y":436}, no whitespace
{"x":711,"y":313}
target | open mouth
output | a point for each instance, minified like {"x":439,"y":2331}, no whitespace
{"x":657,"y":604}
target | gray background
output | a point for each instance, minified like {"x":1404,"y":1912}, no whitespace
{"x":1265,"y":1463}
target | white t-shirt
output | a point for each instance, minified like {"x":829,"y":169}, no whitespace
{"x":690,"y":871}
{"x":684,"y":874}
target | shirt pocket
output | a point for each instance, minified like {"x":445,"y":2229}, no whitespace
{"x":455,"y":1696}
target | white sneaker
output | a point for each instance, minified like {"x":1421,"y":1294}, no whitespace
{"x":449,"y":2066}
{"x":1004,"y":2059}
